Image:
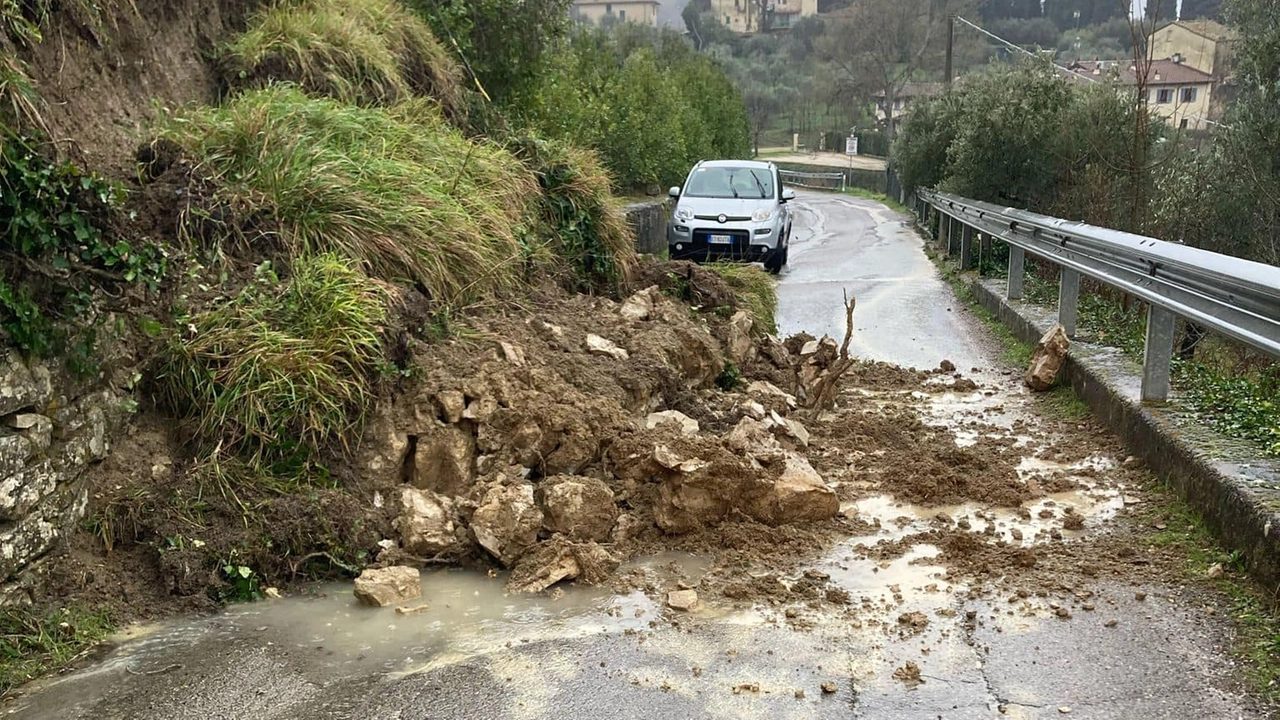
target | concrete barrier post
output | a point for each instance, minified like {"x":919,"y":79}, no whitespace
{"x":1068,"y":300}
{"x":966,"y":248}
{"x":1017,"y":267}
{"x":1157,"y":355}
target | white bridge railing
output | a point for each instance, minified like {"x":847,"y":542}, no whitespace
{"x":1229,"y":295}
{"x":814,"y":181}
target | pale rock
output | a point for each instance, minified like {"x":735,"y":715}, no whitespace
{"x":580,"y":508}
{"x":597,"y":345}
{"x":686,"y":424}
{"x":557,"y":560}
{"x":754,"y":410}
{"x":451,"y":404}
{"x":809,"y":348}
{"x":750,"y":436}
{"x":789,"y":428}
{"x":683,"y":600}
{"x":507,"y":521}
{"x":640,"y":305}
{"x":1046,"y":362}
{"x":480,"y":410}
{"x":426,"y":522}
{"x":741,"y":348}
{"x":799,"y":495}
{"x":762,"y":388}
{"x":1216,"y":571}
{"x":664,"y":456}
{"x":25,"y":421}
{"x":382,"y":587}
{"x":514,"y":354}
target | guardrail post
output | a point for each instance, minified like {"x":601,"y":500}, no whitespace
{"x":984,"y":250}
{"x":966,"y":247}
{"x":1068,"y":299}
{"x":944,"y":231}
{"x":1157,"y":355}
{"x":1017,"y":267}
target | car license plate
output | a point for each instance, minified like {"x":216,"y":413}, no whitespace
{"x":720,"y":239}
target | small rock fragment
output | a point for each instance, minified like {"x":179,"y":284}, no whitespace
{"x":514,"y":354}
{"x":828,"y":688}
{"x":947,"y":366}
{"x":686,"y":424}
{"x":406,"y":610}
{"x":1110,"y":623}
{"x":1215,"y":570}
{"x":1064,"y":710}
{"x":683,"y":600}
{"x":1139,"y":596}
{"x":597,"y":345}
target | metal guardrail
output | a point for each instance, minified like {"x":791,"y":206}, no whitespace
{"x":1232,"y":296}
{"x":835,"y":181}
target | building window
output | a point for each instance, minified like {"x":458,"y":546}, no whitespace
{"x":1188,"y":95}
{"x":608,"y":8}
{"x":1164,"y":96}
{"x":1183,"y":124}
{"x":622,"y":15}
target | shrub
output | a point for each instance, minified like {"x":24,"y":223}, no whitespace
{"x":580,"y":220}
{"x":368,"y":52}
{"x":283,"y":369}
{"x":397,"y":190}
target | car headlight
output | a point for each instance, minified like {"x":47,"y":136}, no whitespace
{"x":684,"y":214}
{"x":761,"y":215}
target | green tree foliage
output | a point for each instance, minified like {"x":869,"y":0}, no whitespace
{"x":508,"y":44}
{"x":1227,"y":198}
{"x":1022,"y":136}
{"x":645,"y":99}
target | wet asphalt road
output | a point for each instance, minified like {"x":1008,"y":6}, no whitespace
{"x":591,"y":656}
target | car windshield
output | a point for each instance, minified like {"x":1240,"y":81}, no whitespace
{"x":731,"y":182}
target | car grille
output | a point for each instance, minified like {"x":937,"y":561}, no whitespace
{"x":727,"y":218}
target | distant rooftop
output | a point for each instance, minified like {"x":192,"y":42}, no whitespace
{"x":1161,"y":72}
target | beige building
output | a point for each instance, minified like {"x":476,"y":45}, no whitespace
{"x":1179,"y":94}
{"x":644,"y":12}
{"x":1204,"y":45}
{"x":743,"y":16}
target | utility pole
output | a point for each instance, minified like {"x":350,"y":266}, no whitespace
{"x":951,"y":34}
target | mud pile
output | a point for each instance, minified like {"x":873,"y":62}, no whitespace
{"x":558,"y":440}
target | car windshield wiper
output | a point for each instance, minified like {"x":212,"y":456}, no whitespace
{"x":732,"y":189}
{"x":759,"y":184}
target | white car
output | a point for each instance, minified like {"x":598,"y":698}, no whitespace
{"x":732,"y":210}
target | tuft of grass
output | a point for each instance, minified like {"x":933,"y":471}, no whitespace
{"x":580,"y":220}
{"x":397,"y":190}
{"x":283,"y":369}
{"x":19,"y":102}
{"x":1065,"y":404}
{"x":881,"y":198}
{"x":366,"y":52}
{"x":1251,"y":608}
{"x":755,"y":291}
{"x":33,"y":644}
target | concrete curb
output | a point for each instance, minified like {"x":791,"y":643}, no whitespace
{"x":1236,"y":491}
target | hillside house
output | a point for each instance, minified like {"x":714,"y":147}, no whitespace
{"x":743,"y":16}
{"x":1177,"y":93}
{"x":644,"y":12}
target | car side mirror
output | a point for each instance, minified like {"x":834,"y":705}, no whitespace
{"x":788,"y":194}
{"x":674,"y":192}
